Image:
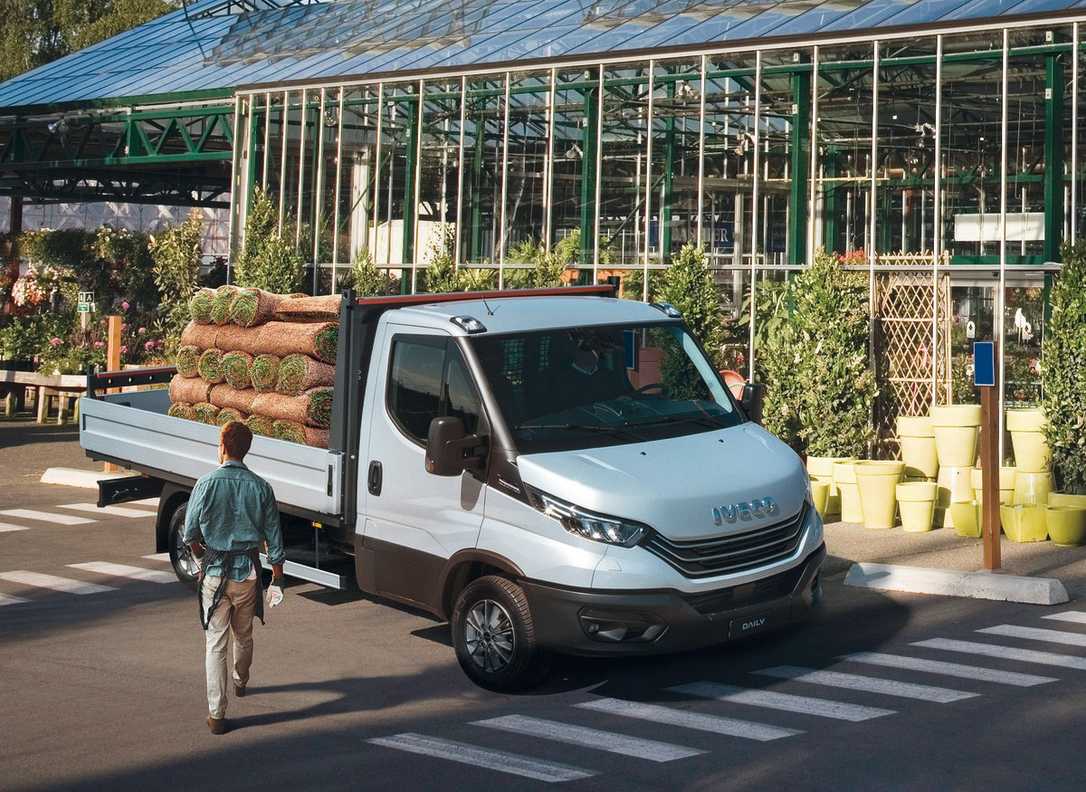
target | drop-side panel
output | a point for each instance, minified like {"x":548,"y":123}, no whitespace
{"x":134,"y":428}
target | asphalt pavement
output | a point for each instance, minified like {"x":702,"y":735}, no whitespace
{"x":101,"y":679}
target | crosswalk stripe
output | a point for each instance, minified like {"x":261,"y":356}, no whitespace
{"x":490,"y":759}
{"x":949,"y":669}
{"x":1005,"y":652}
{"x":144,"y":502}
{"x":732,"y":727}
{"x":8,"y":527}
{"x":40,"y":516}
{"x":158,"y":557}
{"x":887,"y":687}
{"x":1075,"y":617}
{"x":114,"y":511}
{"x":7,"y":599}
{"x":652,"y":750}
{"x":805,"y":705}
{"x":66,"y":585}
{"x":125,"y":571}
{"x":1037,"y":634}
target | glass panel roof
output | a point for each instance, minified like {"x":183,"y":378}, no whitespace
{"x":221,"y":45}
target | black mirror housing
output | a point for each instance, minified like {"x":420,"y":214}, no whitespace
{"x":446,"y":445}
{"x":753,"y":400}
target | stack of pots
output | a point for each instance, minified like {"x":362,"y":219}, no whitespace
{"x":956,"y":429}
{"x":844,"y":478}
{"x":823,"y":485}
{"x":917,"y":494}
{"x":877,"y":481}
{"x":967,"y":517}
{"x":1026,"y":520}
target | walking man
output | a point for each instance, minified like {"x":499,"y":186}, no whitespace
{"x":230,"y":515}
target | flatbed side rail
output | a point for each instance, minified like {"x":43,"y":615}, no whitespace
{"x":100,"y":381}
{"x":399,"y":300}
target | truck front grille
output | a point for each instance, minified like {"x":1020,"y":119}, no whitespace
{"x":723,"y":555}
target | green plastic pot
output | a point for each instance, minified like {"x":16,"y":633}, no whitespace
{"x":877,"y":481}
{"x":1031,"y":489}
{"x":966,"y":518}
{"x":1067,"y":499}
{"x":1066,"y":525}
{"x":1006,"y":484}
{"x":955,"y":430}
{"x":916,"y":505}
{"x":955,"y":486}
{"x":918,"y":452}
{"x":820,"y":494}
{"x":1024,"y":523}
{"x":844,"y":478}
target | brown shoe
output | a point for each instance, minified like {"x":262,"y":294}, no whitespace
{"x":239,"y":691}
{"x":217,"y":725}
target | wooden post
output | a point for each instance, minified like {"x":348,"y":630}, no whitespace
{"x":989,"y":470}
{"x":113,"y":363}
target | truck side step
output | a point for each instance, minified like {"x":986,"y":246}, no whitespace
{"x":127,"y":489}
{"x":322,"y":577}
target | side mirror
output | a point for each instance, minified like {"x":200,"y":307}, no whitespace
{"x":753,"y":400}
{"x":446,"y":445}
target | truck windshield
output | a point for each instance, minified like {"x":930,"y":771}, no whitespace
{"x":586,"y":387}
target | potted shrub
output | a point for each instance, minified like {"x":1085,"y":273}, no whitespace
{"x":877,"y":481}
{"x":1064,"y":373}
{"x":916,"y":504}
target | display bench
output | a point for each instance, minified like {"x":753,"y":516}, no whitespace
{"x":19,"y":387}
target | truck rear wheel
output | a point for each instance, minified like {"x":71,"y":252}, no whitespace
{"x":494,"y":636}
{"x":184,"y":565}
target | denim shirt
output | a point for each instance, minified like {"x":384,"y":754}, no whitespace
{"x":232,"y":508}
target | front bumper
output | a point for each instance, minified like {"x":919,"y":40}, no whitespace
{"x":575,"y":621}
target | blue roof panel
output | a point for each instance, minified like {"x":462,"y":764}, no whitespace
{"x":213,"y":47}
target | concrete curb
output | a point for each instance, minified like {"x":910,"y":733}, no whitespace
{"x":74,"y":477}
{"x":976,"y":585}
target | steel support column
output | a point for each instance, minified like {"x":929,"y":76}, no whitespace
{"x":1053,"y":177}
{"x":411,"y":154}
{"x":589,"y":175}
{"x":800,"y":164}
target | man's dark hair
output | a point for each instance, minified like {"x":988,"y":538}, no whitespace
{"x":236,"y":439}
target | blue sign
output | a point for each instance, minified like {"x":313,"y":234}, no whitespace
{"x":984,"y":364}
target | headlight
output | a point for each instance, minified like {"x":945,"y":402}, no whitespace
{"x":597,"y":527}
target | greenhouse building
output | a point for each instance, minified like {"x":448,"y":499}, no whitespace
{"x":932,"y":144}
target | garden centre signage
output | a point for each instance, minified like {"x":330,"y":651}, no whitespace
{"x":984,"y":364}
{"x":86,"y":302}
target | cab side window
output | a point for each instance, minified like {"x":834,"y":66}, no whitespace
{"x":428,"y":378}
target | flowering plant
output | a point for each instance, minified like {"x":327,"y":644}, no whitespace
{"x":27,"y":292}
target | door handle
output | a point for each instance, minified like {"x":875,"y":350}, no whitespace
{"x":374,"y":478}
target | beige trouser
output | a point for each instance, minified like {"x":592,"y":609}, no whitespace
{"x":233,"y":614}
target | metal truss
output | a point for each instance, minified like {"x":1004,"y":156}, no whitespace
{"x":234,"y":7}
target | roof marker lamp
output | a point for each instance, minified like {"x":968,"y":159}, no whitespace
{"x":667,"y":309}
{"x":596,"y":527}
{"x":469,"y":324}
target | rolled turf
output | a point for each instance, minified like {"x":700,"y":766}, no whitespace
{"x":206,"y":412}
{"x":260,"y":425}
{"x":227,"y":415}
{"x":189,"y":390}
{"x":181,"y":410}
{"x":235,"y":369}
{"x":200,"y":336}
{"x":226,"y":397}
{"x":239,"y":339}
{"x":254,"y":307}
{"x":312,"y":408}
{"x":316,"y":339}
{"x":221,"y":304}
{"x":309,"y":309}
{"x":188,"y":359}
{"x":297,"y":433}
{"x":264,"y":372}
{"x":210,"y":366}
{"x":200,"y":306}
{"x":299,"y":373}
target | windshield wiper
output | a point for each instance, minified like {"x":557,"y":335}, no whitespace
{"x":703,"y":420}
{"x":574,"y":427}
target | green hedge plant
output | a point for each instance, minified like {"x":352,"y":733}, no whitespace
{"x":1064,"y":371}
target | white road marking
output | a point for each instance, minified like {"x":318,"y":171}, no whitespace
{"x":8,"y":527}
{"x":465,"y":753}
{"x":887,"y":687}
{"x":1075,"y":617}
{"x":1037,"y":634}
{"x":1005,"y":652}
{"x":66,"y":585}
{"x":125,"y":571}
{"x":949,"y":669}
{"x":584,"y":737}
{"x":114,"y":511}
{"x":59,"y":519}
{"x":7,"y":599}
{"x":820,"y":707}
{"x":144,"y":502}
{"x":732,"y":727}
{"x":158,"y":557}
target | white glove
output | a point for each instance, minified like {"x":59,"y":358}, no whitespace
{"x":275,"y":596}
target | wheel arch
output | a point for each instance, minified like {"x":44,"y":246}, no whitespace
{"x":468,"y":565}
{"x":173,"y":497}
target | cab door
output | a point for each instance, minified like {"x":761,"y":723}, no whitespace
{"x":414,"y":520}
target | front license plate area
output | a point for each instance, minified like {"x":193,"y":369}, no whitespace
{"x":749,"y":625}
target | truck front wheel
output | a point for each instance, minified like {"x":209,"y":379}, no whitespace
{"x":494,"y":635}
{"x":184,"y":565}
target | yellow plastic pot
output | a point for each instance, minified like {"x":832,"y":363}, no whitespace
{"x":822,"y":467}
{"x":955,"y":486}
{"x":918,"y":451}
{"x":1031,"y":452}
{"x":820,"y":494}
{"x":1067,"y":499}
{"x":877,"y":481}
{"x":1024,"y":523}
{"x":1031,"y":489}
{"x":1006,"y":484}
{"x":844,"y":478}
{"x":955,"y":429}
{"x":1066,"y":525}
{"x":966,"y":518}
{"x":916,"y":505}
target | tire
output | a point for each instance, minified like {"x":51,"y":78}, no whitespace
{"x":184,"y":566}
{"x":494,"y":636}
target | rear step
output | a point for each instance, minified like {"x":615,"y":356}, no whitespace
{"x":127,"y":489}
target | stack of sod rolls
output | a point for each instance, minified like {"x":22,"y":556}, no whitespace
{"x":265,"y":359}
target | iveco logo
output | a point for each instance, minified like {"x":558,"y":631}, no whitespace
{"x":745,"y":511}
